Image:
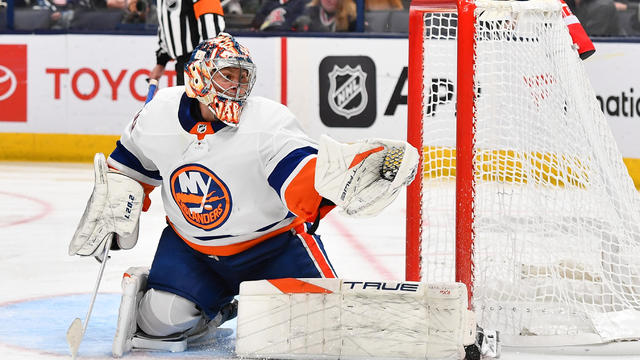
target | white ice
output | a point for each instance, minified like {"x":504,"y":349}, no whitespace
{"x":42,"y":289}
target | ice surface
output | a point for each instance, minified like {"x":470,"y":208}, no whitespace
{"x":43,"y":289}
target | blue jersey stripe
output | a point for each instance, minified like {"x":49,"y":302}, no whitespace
{"x":286,"y":166}
{"x":125,"y":157}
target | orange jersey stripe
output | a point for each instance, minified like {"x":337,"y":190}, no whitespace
{"x":232,"y":249}
{"x":300,"y":195}
{"x":297,"y":286}
{"x":202,"y":7}
{"x":147,"y":190}
{"x":316,"y":253}
{"x":360,"y":157}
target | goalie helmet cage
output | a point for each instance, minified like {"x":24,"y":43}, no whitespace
{"x":524,"y":195}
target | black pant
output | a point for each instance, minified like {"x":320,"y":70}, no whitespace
{"x":180,"y":62}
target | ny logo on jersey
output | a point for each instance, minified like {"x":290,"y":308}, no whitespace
{"x":202,"y":197}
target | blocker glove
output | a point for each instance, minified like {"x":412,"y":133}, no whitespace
{"x":112,"y":210}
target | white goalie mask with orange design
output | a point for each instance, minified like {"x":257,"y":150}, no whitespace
{"x":221,"y":74}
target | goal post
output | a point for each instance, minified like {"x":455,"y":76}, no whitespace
{"x":465,"y":136}
{"x":524,"y":196}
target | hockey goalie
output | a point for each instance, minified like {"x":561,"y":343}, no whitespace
{"x":243,"y":189}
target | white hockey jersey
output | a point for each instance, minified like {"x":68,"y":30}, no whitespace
{"x":224,"y":189}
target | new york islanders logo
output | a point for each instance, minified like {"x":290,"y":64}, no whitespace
{"x":203,"y":198}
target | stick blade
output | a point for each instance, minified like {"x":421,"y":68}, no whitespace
{"x":74,"y":337}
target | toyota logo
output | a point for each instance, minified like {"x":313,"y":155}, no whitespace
{"x":7,"y":75}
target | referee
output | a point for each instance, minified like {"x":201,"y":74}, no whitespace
{"x":182,"y":25}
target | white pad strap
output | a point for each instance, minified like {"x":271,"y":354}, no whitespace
{"x":341,"y":319}
{"x":113,"y":208}
{"x":364,"y":177}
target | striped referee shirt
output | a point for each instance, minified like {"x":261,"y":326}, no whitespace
{"x":183,"y":24}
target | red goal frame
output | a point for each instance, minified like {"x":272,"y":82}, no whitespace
{"x":465,"y":98}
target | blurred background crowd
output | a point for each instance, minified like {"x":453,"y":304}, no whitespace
{"x":599,"y":17}
{"x":607,"y":17}
{"x":386,"y":16}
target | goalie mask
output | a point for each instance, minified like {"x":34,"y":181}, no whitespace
{"x":221,"y":74}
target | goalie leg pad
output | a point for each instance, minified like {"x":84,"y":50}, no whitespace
{"x":127,"y":337}
{"x":342,"y":319}
{"x":151,"y":319}
{"x":134,"y":285}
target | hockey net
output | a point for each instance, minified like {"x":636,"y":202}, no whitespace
{"x":525,"y":197}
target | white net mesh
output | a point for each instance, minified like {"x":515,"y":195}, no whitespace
{"x":557,"y":237}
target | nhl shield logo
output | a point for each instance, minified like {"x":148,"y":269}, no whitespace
{"x":347,"y":94}
{"x":347,"y":91}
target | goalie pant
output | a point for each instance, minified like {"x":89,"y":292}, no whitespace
{"x":212,"y":281}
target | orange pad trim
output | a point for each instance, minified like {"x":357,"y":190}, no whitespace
{"x":297,"y":286}
{"x":360,"y":157}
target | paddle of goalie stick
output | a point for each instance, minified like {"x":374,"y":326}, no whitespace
{"x":77,"y":329}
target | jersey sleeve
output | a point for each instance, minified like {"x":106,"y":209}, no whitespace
{"x":292,"y":169}
{"x":129,"y":159}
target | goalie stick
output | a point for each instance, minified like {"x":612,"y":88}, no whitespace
{"x":76,"y":330}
